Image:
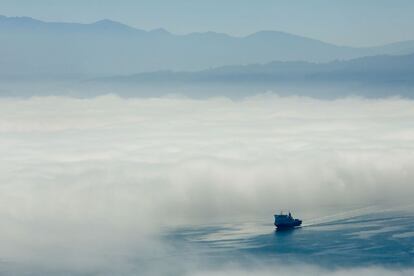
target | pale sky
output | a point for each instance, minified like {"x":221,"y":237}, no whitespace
{"x":344,"y":22}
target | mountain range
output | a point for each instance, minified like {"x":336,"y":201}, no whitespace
{"x":34,"y":48}
{"x":396,"y":70}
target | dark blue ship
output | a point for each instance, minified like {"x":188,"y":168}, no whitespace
{"x":286,"y":221}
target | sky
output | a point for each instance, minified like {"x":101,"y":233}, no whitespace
{"x":343,"y":22}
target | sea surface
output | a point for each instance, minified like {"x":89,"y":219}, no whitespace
{"x":364,"y":241}
{"x":353,"y":239}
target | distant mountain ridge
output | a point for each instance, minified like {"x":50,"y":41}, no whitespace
{"x":374,"y":69}
{"x":31,"y":47}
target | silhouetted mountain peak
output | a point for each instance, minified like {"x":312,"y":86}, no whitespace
{"x":269,"y":33}
{"x":105,"y":22}
{"x":160,"y":31}
{"x":19,"y":20}
{"x":112,"y":25}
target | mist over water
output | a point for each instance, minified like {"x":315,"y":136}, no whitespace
{"x":103,"y":185}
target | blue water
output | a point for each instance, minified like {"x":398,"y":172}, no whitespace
{"x":343,"y":241}
{"x":383,"y":239}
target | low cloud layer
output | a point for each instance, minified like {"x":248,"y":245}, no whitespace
{"x":85,"y":176}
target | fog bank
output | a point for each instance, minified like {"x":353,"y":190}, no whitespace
{"x":84,"y":176}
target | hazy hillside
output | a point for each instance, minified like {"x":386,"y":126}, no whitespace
{"x":374,"y":69}
{"x":34,"y":48}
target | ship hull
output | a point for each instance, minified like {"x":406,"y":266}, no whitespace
{"x":291,"y":225}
